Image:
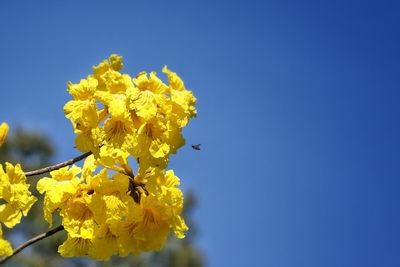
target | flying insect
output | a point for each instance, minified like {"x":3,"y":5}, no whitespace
{"x":196,"y":147}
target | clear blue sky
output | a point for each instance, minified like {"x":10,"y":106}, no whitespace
{"x":298,"y":106}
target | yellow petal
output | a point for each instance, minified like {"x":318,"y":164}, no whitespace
{"x":3,"y":132}
{"x":116,"y":62}
{"x":75,"y":247}
{"x":159,"y":149}
{"x":10,"y":215}
{"x":5,"y":246}
{"x":174,"y":80}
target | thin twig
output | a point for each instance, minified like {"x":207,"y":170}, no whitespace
{"x":32,"y":241}
{"x":58,"y":166}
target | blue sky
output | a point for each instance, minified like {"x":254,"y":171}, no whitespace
{"x":298,"y":105}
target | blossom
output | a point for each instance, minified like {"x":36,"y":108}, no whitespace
{"x":14,"y":191}
{"x":59,"y":188}
{"x":5,"y":246}
{"x":183,"y":100}
{"x":142,"y":115}
{"x":132,"y":214}
{"x":150,"y":219}
{"x":75,"y":247}
{"x":107,"y":207}
{"x":3,"y":132}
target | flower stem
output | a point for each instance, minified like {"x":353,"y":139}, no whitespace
{"x":32,"y":241}
{"x":59,"y":165}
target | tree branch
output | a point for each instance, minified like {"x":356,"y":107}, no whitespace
{"x":32,"y":241}
{"x":59,"y":165}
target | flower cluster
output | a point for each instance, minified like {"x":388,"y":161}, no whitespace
{"x":107,"y":208}
{"x":142,"y":117}
{"x":104,"y":215}
{"x":14,"y":194}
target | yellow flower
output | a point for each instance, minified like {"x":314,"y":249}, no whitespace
{"x":69,"y":194}
{"x":5,"y":246}
{"x":150,"y":219}
{"x":152,"y":138}
{"x":15,"y":192}
{"x":97,"y":202}
{"x":101,"y":247}
{"x":104,"y":245}
{"x":63,"y":184}
{"x":118,"y":133}
{"x":174,"y":80}
{"x":174,"y":137}
{"x":143,"y":103}
{"x":183,"y":100}
{"x":109,"y":78}
{"x":155,"y":141}
{"x":115,"y":159}
{"x":117,"y":83}
{"x":164,"y":186}
{"x":82,"y":110}
{"x":84,"y":141}
{"x":3,"y":132}
{"x":109,"y":203}
{"x":145,"y":174}
{"x":115,"y":117}
{"x":84,"y":90}
{"x":114,"y":62}
{"x":78,"y":219}
{"x":142,"y":116}
{"x":75,"y":247}
{"x":152,"y":84}
{"x":82,"y":113}
{"x":146,"y":227}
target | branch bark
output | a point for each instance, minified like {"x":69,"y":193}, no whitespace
{"x":58,"y":166}
{"x":32,"y":241}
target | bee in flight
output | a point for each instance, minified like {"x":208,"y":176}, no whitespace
{"x":196,"y":147}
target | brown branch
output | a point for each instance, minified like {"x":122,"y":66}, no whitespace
{"x":58,"y":166}
{"x":32,"y":241}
